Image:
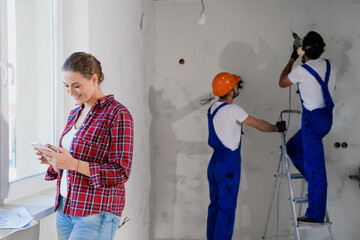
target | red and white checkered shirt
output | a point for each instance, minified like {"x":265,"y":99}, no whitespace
{"x":105,"y":141}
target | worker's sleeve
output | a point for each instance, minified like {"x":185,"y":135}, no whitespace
{"x":238,"y":113}
{"x":296,"y":75}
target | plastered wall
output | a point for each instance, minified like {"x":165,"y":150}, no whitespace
{"x":250,"y":38}
{"x":121,"y":34}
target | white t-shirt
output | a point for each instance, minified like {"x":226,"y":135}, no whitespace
{"x":66,"y":144}
{"x":309,"y":87}
{"x":227,"y":124}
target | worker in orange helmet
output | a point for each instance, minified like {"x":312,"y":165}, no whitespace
{"x":225,"y":129}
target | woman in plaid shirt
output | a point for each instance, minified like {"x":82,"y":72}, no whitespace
{"x":95,"y":156}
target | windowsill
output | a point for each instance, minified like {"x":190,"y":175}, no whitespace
{"x":39,"y":205}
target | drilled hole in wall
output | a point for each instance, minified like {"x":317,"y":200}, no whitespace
{"x":181,"y":61}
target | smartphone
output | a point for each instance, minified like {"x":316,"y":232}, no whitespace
{"x":40,"y":146}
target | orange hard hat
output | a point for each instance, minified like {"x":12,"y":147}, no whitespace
{"x":223,"y":83}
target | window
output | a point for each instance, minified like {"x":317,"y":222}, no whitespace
{"x":29,"y":86}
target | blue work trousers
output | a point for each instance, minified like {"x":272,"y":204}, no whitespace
{"x":224,"y":181}
{"x":306,"y":151}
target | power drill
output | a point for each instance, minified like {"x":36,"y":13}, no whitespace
{"x":297,"y":40}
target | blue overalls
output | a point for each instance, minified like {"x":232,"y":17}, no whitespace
{"x":306,"y":149}
{"x":224,"y":179}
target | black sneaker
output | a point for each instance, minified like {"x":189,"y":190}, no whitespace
{"x":309,"y":221}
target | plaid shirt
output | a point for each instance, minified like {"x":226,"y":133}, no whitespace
{"x":105,"y":141}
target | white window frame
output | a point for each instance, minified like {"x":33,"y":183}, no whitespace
{"x":20,"y":188}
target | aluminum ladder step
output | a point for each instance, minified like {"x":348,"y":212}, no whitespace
{"x":307,"y":226}
{"x":297,"y":176}
{"x":292,"y":175}
{"x":300,"y":200}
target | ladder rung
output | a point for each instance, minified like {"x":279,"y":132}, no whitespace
{"x":278,"y":236}
{"x":297,"y":176}
{"x":307,"y":226}
{"x":292,"y":175}
{"x":300,"y":200}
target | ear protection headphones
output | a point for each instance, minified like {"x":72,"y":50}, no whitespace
{"x":301,"y":50}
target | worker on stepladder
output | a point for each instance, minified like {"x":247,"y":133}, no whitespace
{"x":316,"y":79}
{"x":225,"y":120}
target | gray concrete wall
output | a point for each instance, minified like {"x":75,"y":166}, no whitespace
{"x":250,"y":38}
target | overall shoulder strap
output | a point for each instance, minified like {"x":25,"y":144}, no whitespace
{"x":323,"y":84}
{"x":208,"y":112}
{"x":328,"y":69}
{"x":316,"y":75}
{"x":217,"y":109}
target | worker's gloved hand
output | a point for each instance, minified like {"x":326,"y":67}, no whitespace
{"x":281,"y":125}
{"x":294,"y":54}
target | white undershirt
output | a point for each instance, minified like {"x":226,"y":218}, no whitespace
{"x":227,"y":124}
{"x":66,"y":144}
{"x":310,"y":89}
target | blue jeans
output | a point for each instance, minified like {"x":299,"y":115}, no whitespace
{"x":96,"y":226}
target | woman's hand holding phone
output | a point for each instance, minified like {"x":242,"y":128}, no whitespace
{"x":41,"y":150}
{"x":58,"y":157}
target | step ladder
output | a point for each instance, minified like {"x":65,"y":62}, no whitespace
{"x":283,"y":170}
